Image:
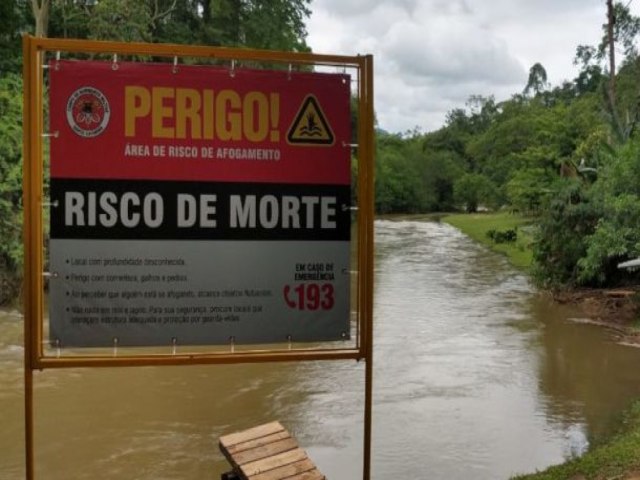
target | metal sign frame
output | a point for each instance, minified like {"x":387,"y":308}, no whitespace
{"x":34,"y":50}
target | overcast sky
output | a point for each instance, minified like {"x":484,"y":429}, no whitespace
{"x":431,"y":55}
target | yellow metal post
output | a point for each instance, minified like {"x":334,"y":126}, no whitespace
{"x":31,"y":242}
{"x":28,"y":373}
{"x":366,"y":269}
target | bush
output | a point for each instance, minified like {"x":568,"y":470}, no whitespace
{"x":506,"y":236}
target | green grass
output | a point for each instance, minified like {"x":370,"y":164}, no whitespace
{"x":476,"y":226}
{"x":620,"y":455}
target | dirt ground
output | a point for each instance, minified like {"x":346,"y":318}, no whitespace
{"x":617,"y":309}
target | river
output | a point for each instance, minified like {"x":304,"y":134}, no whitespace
{"x":476,"y":376}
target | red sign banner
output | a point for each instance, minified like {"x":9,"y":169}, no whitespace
{"x":143,"y":121}
{"x":198,"y":204}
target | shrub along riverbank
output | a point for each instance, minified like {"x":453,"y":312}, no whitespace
{"x":617,"y":458}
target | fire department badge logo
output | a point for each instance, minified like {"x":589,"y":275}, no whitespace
{"x":88,"y":112}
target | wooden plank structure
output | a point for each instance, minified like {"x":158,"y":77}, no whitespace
{"x":267,"y":452}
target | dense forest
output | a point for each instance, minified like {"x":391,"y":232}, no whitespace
{"x":566,"y":156}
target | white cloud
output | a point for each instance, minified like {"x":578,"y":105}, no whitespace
{"x":442,"y":52}
{"x":431,"y":55}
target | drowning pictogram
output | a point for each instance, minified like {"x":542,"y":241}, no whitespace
{"x":310,"y":127}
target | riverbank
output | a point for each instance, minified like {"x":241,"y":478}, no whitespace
{"x":618,"y":458}
{"x":515,"y":246}
{"x":616,"y":309}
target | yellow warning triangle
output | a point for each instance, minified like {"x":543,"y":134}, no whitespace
{"x":310,"y":127}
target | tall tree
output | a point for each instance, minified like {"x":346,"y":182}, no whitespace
{"x":612,"y":50}
{"x":122,"y":20}
{"x":537,"y":81}
{"x":473,"y":189}
{"x":272,"y":24}
{"x":13,"y":20}
{"x":40,"y":10}
{"x":10,"y":185}
{"x":267,"y":24}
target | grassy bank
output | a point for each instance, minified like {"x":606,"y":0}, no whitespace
{"x":619,"y":458}
{"x":476,"y":226}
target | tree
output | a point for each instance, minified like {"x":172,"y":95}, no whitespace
{"x":267,"y":24}
{"x":537,"y":81}
{"x":622,"y":27}
{"x":11,"y":185}
{"x":529,"y":189}
{"x":560,"y":240}
{"x":13,"y":20}
{"x":274,"y":24}
{"x":121,"y":20}
{"x":398,"y":184}
{"x":439,"y":171}
{"x":40,"y":9}
{"x":590,"y":76}
{"x":472,"y":189}
{"x":523,"y":133}
{"x":616,"y":236}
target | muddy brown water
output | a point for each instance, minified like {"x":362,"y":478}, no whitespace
{"x":476,"y":376}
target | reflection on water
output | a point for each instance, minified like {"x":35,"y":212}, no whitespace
{"x":476,"y":376}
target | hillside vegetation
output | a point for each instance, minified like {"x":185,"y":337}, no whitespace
{"x":567,"y":157}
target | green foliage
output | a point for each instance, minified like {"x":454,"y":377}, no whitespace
{"x":617,"y":234}
{"x":273,"y":24}
{"x":11,"y":173}
{"x":397,"y":184}
{"x":473,"y":189}
{"x":14,"y":18}
{"x":439,"y":172}
{"x":122,"y":20}
{"x":625,"y":30}
{"x":509,"y":235}
{"x":592,"y":223}
{"x":511,"y":153}
{"x":616,"y":238}
{"x":411,"y":178}
{"x":591,"y":226}
{"x":537,"y":81}
{"x":526,"y":134}
{"x":561,"y":236}
{"x":624,"y":114}
{"x":529,"y":189}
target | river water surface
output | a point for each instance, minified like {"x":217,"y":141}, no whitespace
{"x":476,"y":376}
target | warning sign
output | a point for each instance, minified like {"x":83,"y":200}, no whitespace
{"x":310,"y":126}
{"x":182,"y":215}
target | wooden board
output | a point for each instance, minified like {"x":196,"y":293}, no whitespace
{"x":268,"y":452}
{"x":251,"y":433}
